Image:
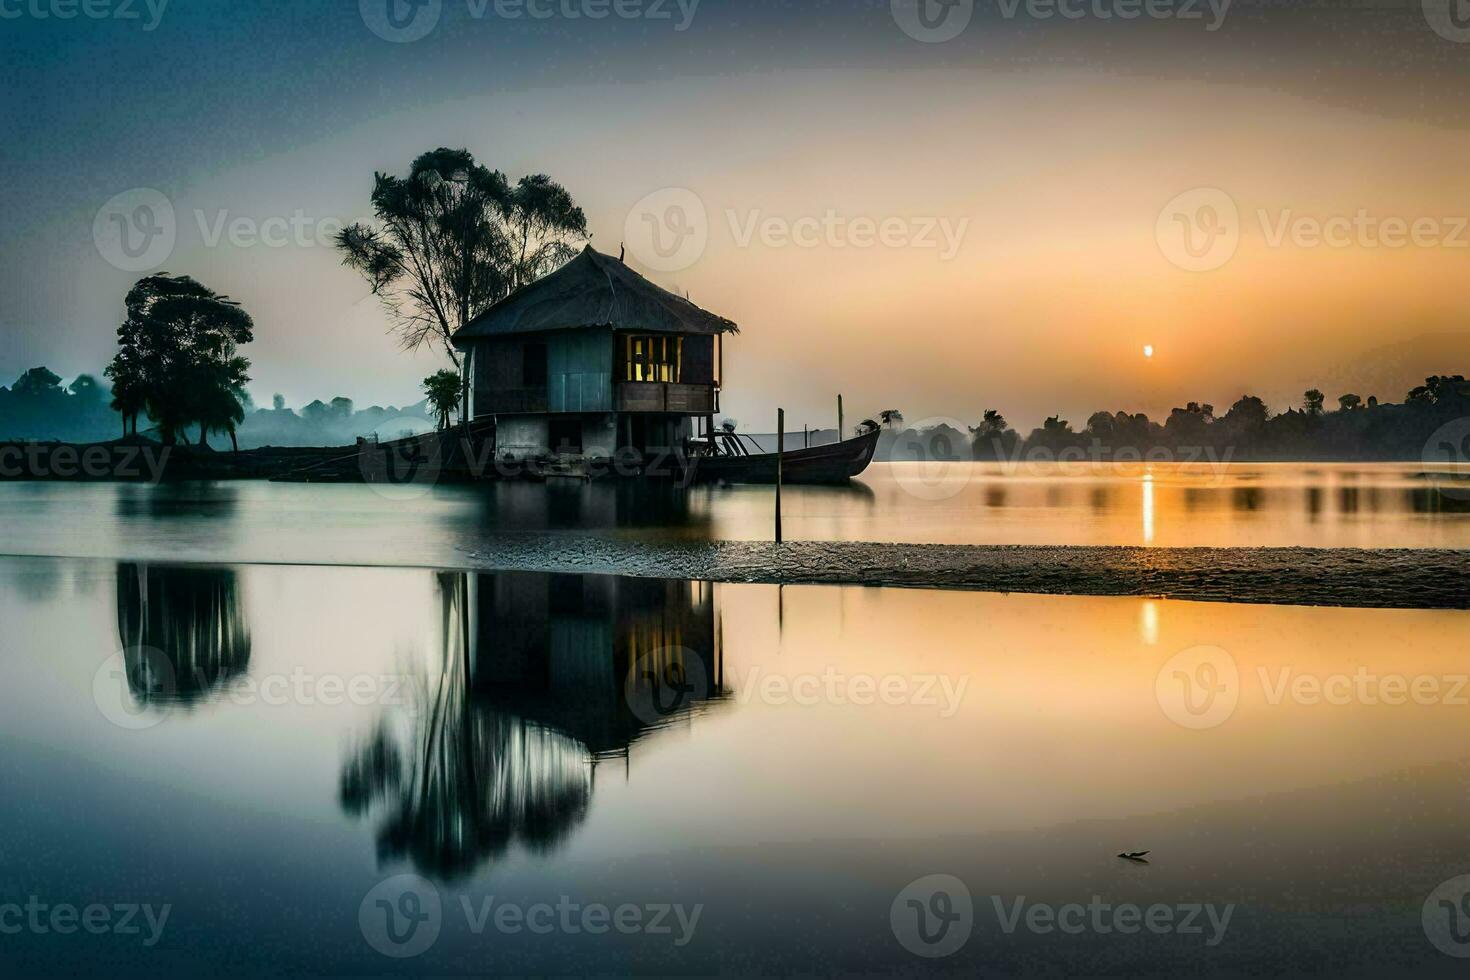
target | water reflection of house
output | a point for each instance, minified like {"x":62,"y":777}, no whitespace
{"x":538,"y":676}
{"x":602,"y":659}
{"x":593,"y":504}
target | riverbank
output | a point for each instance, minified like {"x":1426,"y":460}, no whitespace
{"x":1380,"y":578}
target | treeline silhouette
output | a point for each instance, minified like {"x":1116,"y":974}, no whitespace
{"x":1357,"y":429}
{"x":39,"y":407}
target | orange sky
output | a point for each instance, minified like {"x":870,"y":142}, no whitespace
{"x":1055,"y":172}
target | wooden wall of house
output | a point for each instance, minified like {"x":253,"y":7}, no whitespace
{"x":699,"y":361}
{"x":498,"y":377}
{"x":579,"y":371}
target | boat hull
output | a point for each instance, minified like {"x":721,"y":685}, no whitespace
{"x":832,"y":464}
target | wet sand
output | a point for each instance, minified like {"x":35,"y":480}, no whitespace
{"x":1379,"y":578}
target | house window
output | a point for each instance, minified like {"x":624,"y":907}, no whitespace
{"x":654,"y":359}
{"x":533,"y":366}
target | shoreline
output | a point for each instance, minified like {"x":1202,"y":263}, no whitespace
{"x":1419,"y":578}
{"x":1360,"y":578}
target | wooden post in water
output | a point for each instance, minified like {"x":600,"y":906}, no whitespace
{"x":806,"y":437}
{"x":780,"y":449}
{"x":839,"y":418}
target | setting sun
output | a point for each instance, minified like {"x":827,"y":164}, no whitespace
{"x":1148,"y":350}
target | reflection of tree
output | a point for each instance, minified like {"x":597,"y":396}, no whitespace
{"x":458,"y":783}
{"x":183,"y":631}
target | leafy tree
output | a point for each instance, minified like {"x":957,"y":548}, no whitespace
{"x":1312,"y":401}
{"x":541,"y":221}
{"x":1247,"y":414}
{"x":1101,"y":425}
{"x":444,"y":388}
{"x":993,"y":437}
{"x":177,"y":356}
{"x":38,"y":381}
{"x":1349,"y":402}
{"x":129,"y":393}
{"x":1438,"y":389}
{"x":278,"y":402}
{"x":891,"y":417}
{"x":86,"y":388}
{"x":221,"y":398}
{"x":1189,"y":425}
{"x":452,"y":238}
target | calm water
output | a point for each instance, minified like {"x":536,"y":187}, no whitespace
{"x":1268,"y":505}
{"x":260,"y":747}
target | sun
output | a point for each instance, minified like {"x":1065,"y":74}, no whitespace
{"x":1148,"y":350}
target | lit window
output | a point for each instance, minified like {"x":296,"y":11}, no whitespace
{"x":654,"y":359}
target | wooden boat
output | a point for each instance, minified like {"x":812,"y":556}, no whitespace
{"x":835,"y":463}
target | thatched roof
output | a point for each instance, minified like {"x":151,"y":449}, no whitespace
{"x":593,"y":290}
